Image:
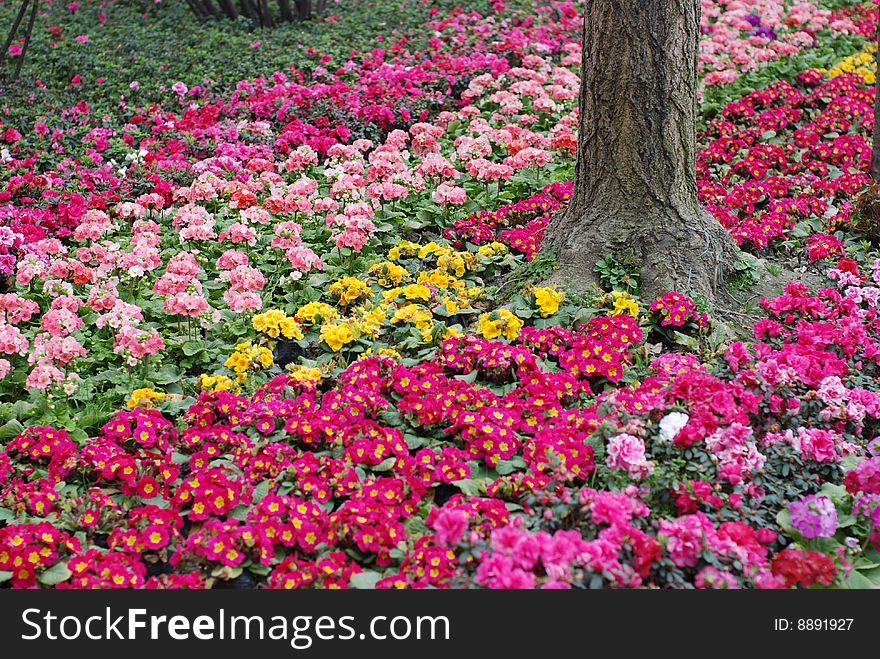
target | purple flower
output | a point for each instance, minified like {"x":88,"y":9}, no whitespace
{"x":753,"y":19}
{"x":765,"y":32}
{"x":814,"y":517}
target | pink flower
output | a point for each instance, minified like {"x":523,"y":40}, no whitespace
{"x":448,"y":194}
{"x":816,"y":444}
{"x":449,"y":526}
{"x":627,"y":453}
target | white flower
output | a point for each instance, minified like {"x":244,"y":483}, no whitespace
{"x":671,"y":424}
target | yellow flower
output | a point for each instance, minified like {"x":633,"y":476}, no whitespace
{"x":404,"y":248}
{"x":337,"y":335}
{"x":863,"y":64}
{"x":492,"y":249}
{"x":548,"y":300}
{"x":267,"y":322}
{"x":499,"y":323}
{"x":144,"y":398}
{"x":436,"y":277}
{"x":416,"y":292}
{"x":388,"y":273}
{"x":304,"y":373}
{"x":265,"y":357}
{"x":246,"y":357}
{"x":371,"y":321}
{"x":348,"y":290}
{"x":290,"y":329}
{"x":275,"y":323}
{"x":431,"y":248}
{"x":389,"y":352}
{"x":623,"y":303}
{"x":456,"y":262}
{"x":413,"y":313}
{"x":238,"y":362}
{"x":215,"y":383}
{"x":309,"y":312}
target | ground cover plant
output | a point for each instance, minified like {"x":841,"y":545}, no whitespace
{"x":285,"y":325}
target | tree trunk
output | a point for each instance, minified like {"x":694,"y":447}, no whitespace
{"x":635,"y":193}
{"x":14,"y":30}
{"x":286,"y":12}
{"x":229,"y":9}
{"x":27,"y":39}
{"x":875,"y":151}
{"x":266,"y":18}
{"x":305,"y":9}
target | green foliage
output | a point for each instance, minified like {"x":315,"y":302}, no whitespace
{"x":745,"y":273}
{"x":617,"y":275}
{"x":157,"y":44}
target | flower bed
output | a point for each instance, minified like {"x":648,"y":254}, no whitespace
{"x":268,"y":356}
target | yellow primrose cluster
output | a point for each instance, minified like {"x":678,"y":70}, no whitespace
{"x":145,"y":398}
{"x":349,"y":290}
{"x":417,"y":316}
{"x":499,"y":323}
{"x":216,"y":383}
{"x":621,"y":302}
{"x":337,"y":334}
{"x":389,"y":274}
{"x":406,"y":299}
{"x":275,"y":323}
{"x":310,"y":312}
{"x":448,"y":259}
{"x":302,"y":373}
{"x":863,"y":63}
{"x":548,"y":300}
{"x":492,"y":249}
{"x":248,"y":357}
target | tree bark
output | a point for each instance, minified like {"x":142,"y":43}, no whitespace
{"x":229,"y":9}
{"x":14,"y":30}
{"x":266,"y":18}
{"x":635,"y":193}
{"x":305,"y":9}
{"x":875,"y":150}
{"x":286,"y":11}
{"x":27,"y":39}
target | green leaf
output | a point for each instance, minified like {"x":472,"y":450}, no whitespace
{"x":191,"y":348}
{"x":5,"y":576}
{"x":386,"y":464}
{"x":391,"y":417}
{"x":54,"y":575}
{"x":11,"y":428}
{"x":226,"y":572}
{"x":365,"y":580}
{"x":468,"y":486}
{"x":260,"y":491}
{"x":783,"y":519}
{"x":858,"y":581}
{"x":158,"y":501}
{"x":165,"y":375}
